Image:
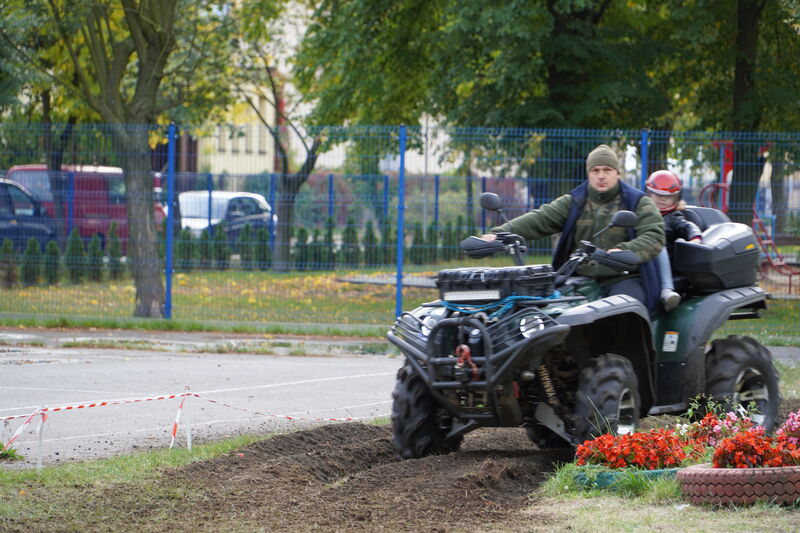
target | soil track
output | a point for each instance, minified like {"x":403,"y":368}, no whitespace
{"x":331,"y":478}
{"x":345,"y":478}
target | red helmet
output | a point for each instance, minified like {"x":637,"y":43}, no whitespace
{"x":663,"y":183}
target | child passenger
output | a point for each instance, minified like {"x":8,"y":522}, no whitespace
{"x":664,"y":188}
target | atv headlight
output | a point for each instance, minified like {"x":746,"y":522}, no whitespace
{"x":530,"y":324}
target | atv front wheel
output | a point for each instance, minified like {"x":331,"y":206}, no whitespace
{"x":419,"y":425}
{"x":739,"y":372}
{"x":607,"y":400}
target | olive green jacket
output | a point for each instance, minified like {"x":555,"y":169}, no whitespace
{"x":550,"y":219}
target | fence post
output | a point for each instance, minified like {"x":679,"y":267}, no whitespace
{"x":436,"y":200}
{"x":274,"y":207}
{"x":401,"y":211}
{"x":70,"y":200}
{"x":483,"y":211}
{"x":331,"y":197}
{"x":209,"y":187}
{"x":385,"y":198}
{"x":170,"y":219}
{"x":644,"y":158}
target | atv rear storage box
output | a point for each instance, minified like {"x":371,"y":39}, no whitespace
{"x":489,"y":284}
{"x":727,"y":258}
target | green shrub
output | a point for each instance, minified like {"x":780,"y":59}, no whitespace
{"x":351,"y":251}
{"x":115,"y":268}
{"x":94,"y":260}
{"x":416,"y":254}
{"x":75,"y":257}
{"x":388,"y":244}
{"x":263,"y":252}
{"x":206,"y":249}
{"x":432,"y":242}
{"x":371,"y":251}
{"x":302,"y":256}
{"x":330,"y":247}
{"x":185,"y":251}
{"x":247,"y":247}
{"x":31,"y":262}
{"x":8,"y":264}
{"x":52,"y":262}
{"x":449,"y":242}
{"x":222,"y":252}
{"x":317,"y":250}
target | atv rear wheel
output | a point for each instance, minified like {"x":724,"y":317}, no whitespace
{"x":739,"y":372}
{"x":419,"y":425}
{"x":607,"y":400}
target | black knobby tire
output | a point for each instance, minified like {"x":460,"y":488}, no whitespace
{"x":607,"y":400}
{"x":419,"y":425}
{"x":739,"y":371}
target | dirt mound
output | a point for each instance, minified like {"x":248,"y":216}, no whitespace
{"x":345,"y":478}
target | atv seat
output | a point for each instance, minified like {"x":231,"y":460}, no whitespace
{"x":705,"y":216}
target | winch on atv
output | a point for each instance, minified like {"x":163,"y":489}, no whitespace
{"x":527,"y":346}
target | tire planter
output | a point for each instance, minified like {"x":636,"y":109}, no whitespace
{"x":702,"y":484}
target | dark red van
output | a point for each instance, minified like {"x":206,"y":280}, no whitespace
{"x":94,"y":197}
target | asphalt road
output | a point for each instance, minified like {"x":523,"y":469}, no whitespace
{"x":258,"y":389}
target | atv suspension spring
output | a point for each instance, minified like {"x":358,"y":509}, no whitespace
{"x":547,"y":383}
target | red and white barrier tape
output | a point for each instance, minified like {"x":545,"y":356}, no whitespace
{"x":44,"y":410}
{"x":20,"y":428}
{"x":98,"y":404}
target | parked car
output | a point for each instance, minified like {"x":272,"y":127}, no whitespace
{"x":95,"y":198}
{"x":22,"y":216}
{"x":202,"y":210}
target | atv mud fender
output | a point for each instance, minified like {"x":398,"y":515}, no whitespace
{"x":618,"y":324}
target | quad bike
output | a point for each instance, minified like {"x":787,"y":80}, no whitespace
{"x":527,"y":346}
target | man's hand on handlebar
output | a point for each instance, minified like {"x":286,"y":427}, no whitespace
{"x":489,"y":237}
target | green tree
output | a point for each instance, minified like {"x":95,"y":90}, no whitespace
{"x":416,"y":254}
{"x":75,"y":257}
{"x":388,"y":244}
{"x":8,"y":264}
{"x":94,"y":259}
{"x":31,"y":269}
{"x":115,"y":267}
{"x":132,"y":62}
{"x":52,"y":262}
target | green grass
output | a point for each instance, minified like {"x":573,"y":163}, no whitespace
{"x":779,"y":325}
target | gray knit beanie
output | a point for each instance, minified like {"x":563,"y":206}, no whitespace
{"x":602,"y":155}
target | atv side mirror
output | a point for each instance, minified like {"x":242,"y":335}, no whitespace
{"x":624,"y":219}
{"x":491,"y":201}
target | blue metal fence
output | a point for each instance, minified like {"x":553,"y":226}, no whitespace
{"x":358,"y":240}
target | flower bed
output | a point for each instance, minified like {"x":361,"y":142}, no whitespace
{"x":746,"y":464}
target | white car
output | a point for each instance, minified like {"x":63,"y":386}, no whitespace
{"x":202,"y":210}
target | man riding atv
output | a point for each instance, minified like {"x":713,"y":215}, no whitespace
{"x":574,"y":353}
{"x":586,"y":210}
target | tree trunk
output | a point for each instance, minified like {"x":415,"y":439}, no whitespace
{"x":748,"y":165}
{"x":145,"y":263}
